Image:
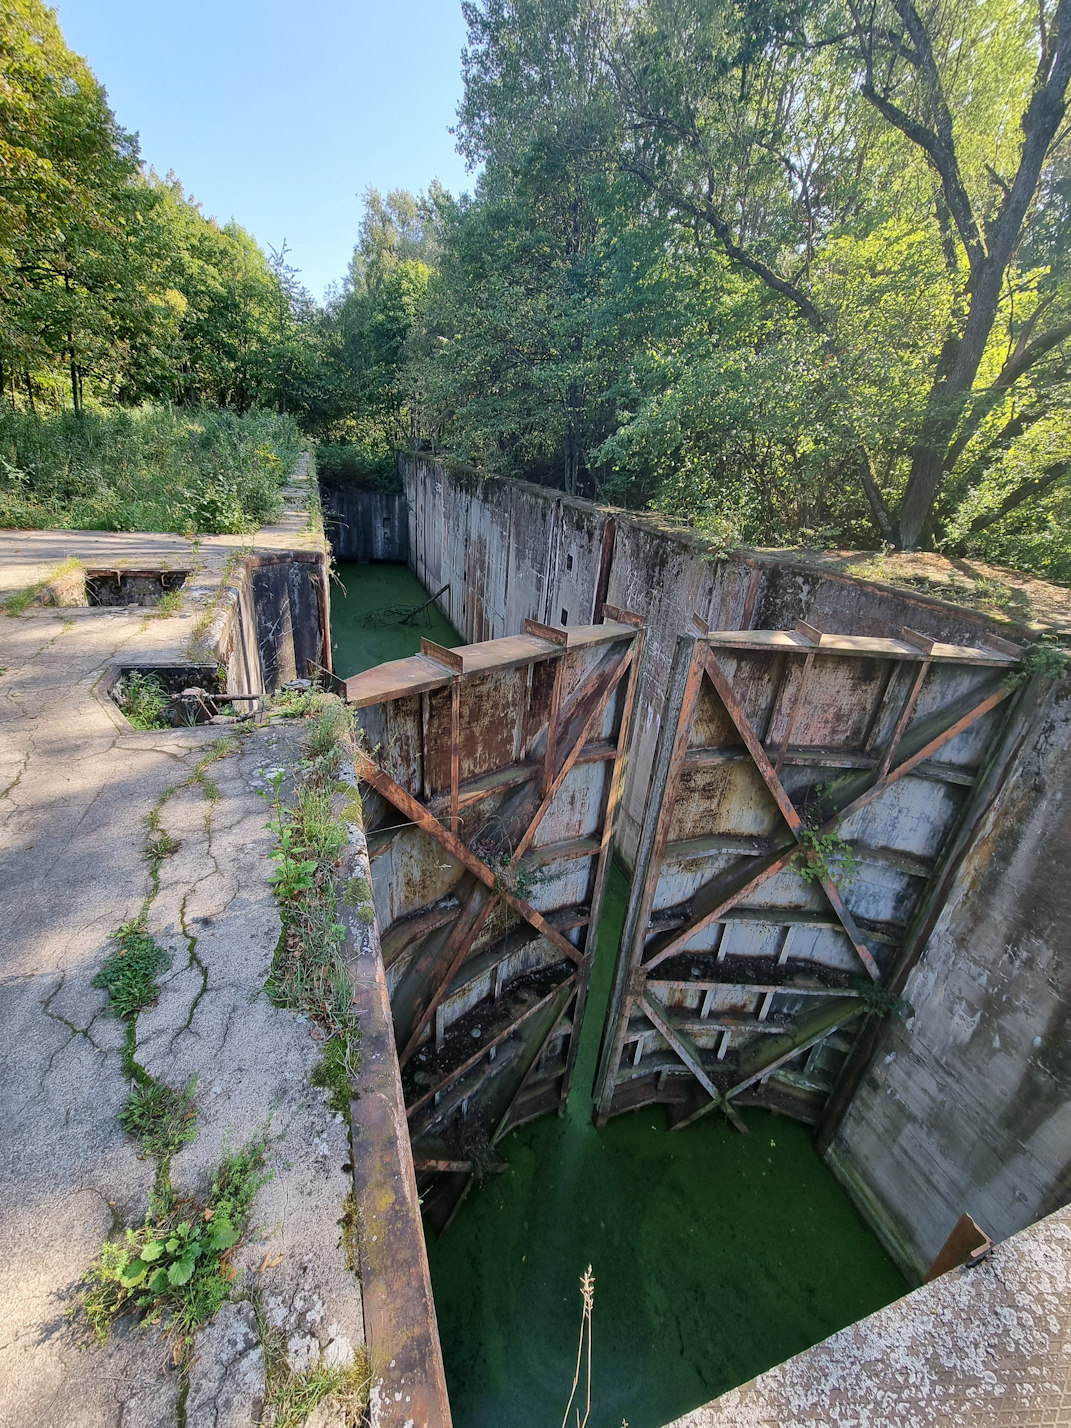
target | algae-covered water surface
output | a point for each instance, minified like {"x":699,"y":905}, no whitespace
{"x":361,"y":590}
{"x":715,"y":1255}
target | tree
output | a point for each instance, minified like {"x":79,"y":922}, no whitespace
{"x":751,"y":122}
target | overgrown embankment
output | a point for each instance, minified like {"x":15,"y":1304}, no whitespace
{"x":152,"y":468}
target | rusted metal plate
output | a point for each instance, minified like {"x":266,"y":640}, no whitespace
{"x":806,"y":790}
{"x":490,"y":805}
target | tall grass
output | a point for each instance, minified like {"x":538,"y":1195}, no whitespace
{"x":145,"y":469}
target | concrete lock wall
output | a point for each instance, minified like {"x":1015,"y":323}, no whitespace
{"x":965,"y":1105}
{"x":272,"y":619}
{"x":365,"y":525}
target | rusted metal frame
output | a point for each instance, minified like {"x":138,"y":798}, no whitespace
{"x":735,"y":710}
{"x":1006,"y":747}
{"x":614,"y":678}
{"x":905,"y":716}
{"x":687,"y":676}
{"x":463,"y":934}
{"x":550,"y":752}
{"x":470,"y":923}
{"x":873,"y":728}
{"x":681,"y":1043}
{"x":606,"y":558}
{"x":571,"y":1000}
{"x":455,"y":752}
{"x":414,"y":810}
{"x":450,"y":659}
{"x":847,"y":921}
{"x":602,"y":867}
{"x":797,"y":703}
{"x":399,"y":1310}
{"x":477,"y":1056}
{"x":910,"y":764}
{"x":769,"y":869}
{"x":767,"y":1070}
{"x":425,"y":1166}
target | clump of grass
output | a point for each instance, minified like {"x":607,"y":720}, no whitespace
{"x":169,"y":603}
{"x":20,"y":600}
{"x":298,"y":703}
{"x":177,"y":1263}
{"x":129,"y":974}
{"x":160,"y":1118}
{"x":290,"y":1396}
{"x":143,"y":699}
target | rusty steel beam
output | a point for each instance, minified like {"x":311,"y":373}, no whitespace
{"x":769,"y":869}
{"x":369,"y":773}
{"x":904,"y":717}
{"x":680,"y":1042}
{"x":687,"y":678}
{"x":458,"y":1071}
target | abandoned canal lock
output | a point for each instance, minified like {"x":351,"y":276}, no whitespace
{"x":772,"y":705}
{"x":718,"y":942}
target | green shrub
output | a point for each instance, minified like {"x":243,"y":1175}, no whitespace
{"x":147,"y":468}
{"x":354,"y":465}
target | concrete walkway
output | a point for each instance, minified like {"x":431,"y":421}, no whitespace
{"x":76,"y":785}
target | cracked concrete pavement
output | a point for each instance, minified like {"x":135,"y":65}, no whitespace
{"x":76,"y":784}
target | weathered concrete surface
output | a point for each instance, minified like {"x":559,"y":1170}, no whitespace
{"x":75,"y":786}
{"x":364,"y":525}
{"x":967,"y":1104}
{"x":985,"y":1347}
{"x":510,"y":551}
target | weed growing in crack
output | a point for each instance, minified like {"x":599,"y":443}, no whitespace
{"x":350,"y":1238}
{"x":129,"y":974}
{"x":177,"y":1263}
{"x":160,"y":1118}
{"x":336,"y":1073}
{"x":290,"y":1396}
{"x":819,"y":852}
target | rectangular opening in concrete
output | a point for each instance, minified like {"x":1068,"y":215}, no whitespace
{"x":132,"y":587}
{"x":171,"y":696}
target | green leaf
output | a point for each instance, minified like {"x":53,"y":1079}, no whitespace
{"x":158,"y":1282}
{"x":133,"y":1273}
{"x":153,"y":1250}
{"x":223,"y":1237}
{"x":182,"y":1270}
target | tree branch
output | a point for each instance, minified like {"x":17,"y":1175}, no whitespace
{"x":1020,"y":362}
{"x":1037,"y":486}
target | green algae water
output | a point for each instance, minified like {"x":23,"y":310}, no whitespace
{"x":360,"y":589}
{"x":715,"y":1256}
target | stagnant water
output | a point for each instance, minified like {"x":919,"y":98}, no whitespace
{"x":715,"y":1254}
{"x":361,"y":589}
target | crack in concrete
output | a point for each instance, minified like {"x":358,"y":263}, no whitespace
{"x":75,"y":1031}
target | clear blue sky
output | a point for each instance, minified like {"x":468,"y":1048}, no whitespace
{"x":280,"y":115}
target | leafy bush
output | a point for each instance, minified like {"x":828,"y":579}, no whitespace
{"x":147,"y":468}
{"x":343,"y":464}
{"x":143,"y":699}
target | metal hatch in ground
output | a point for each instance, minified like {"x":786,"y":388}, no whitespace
{"x":492,"y":775}
{"x":809,"y":796}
